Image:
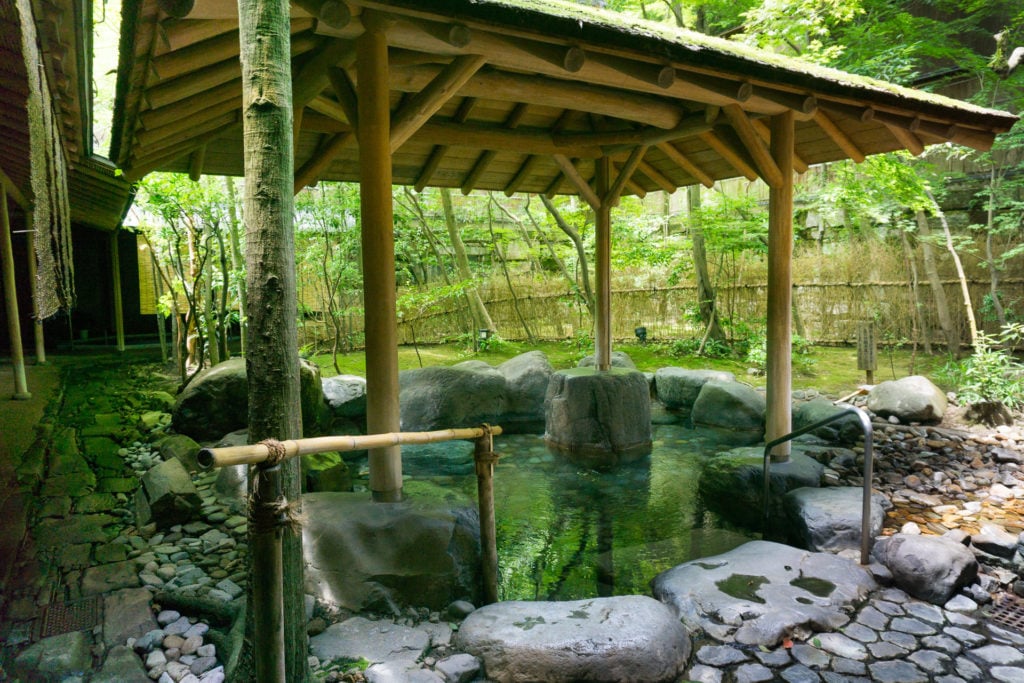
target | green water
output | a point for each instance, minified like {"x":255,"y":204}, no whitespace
{"x":567,"y":533}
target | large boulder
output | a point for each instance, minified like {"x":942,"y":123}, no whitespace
{"x":910,"y":399}
{"x":625,"y":638}
{"x":619,"y":359}
{"x":598,"y":419}
{"x":844,"y":430}
{"x":345,"y":395}
{"x":526,"y":384}
{"x":763,"y":592}
{"x":678,"y":388}
{"x":450,"y":397}
{"x":732,"y":484}
{"x":364,"y":555}
{"x":734,"y":410}
{"x":929,"y":568}
{"x":180,"y":447}
{"x":167,"y":496}
{"x":217,"y":401}
{"x":829,"y":519}
{"x":444,"y":458}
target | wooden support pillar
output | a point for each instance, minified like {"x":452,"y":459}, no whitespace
{"x":37,"y":322}
{"x":115,"y":274}
{"x":21,"y":392}
{"x":602,"y":266}
{"x":780,"y":287}
{"x":378,"y":241}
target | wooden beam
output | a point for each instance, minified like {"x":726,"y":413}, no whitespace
{"x":183,"y":61}
{"x":186,"y":136}
{"x":969,"y":137}
{"x":661,"y":75}
{"x":568,"y":58}
{"x":485,"y":158}
{"x":578,"y":181}
{"x":454,"y":34}
{"x":334,"y":13}
{"x":484,"y":136}
{"x":623,"y":140}
{"x":10,"y":290}
{"x":623,"y":176}
{"x":378,"y":247}
{"x":841,"y":139}
{"x":769,"y":172}
{"x":311,"y":78}
{"x":906,"y":139}
{"x":428,"y":101}
{"x":345,"y":91}
{"x":765,"y":133}
{"x":177,"y":34}
{"x":681,"y":160}
{"x":657,"y":177}
{"x":733,"y":91}
{"x":524,"y":172}
{"x":504,"y":86}
{"x":141,"y":166}
{"x":315,"y":166}
{"x":803,"y":104}
{"x":214,"y":99}
{"x":603,"y":268}
{"x":195,"y":163}
{"x":329,"y":108}
{"x":731,"y":155}
{"x":857,"y":113}
{"x":779,"y":372}
{"x":13,"y":191}
{"x":437,"y":154}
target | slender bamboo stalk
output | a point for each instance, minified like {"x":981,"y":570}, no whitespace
{"x":21,"y":392}
{"x":265,"y":526}
{"x":115,"y":274}
{"x":483,"y":455}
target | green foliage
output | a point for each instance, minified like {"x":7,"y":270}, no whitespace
{"x":991,"y":373}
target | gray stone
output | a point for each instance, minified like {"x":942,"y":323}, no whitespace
{"x":460,"y":668}
{"x":345,"y":395}
{"x":798,"y":673}
{"x":758,"y":587}
{"x":396,"y":672}
{"x":808,"y":655}
{"x":127,"y":614}
{"x":629,"y":637}
{"x":376,"y":641}
{"x":873,"y":618}
{"x":720,"y":655}
{"x":886,"y":650}
{"x":732,"y":483}
{"x":896,"y":672}
{"x":968,"y":669}
{"x":598,"y":419}
{"x":180,"y":447}
{"x":448,"y":397}
{"x":925,"y":612}
{"x":998,"y":655}
{"x":942,"y":642}
{"x":860,"y":632}
{"x":848,"y":666}
{"x":704,"y":674}
{"x":930,"y":661}
{"x":55,"y":657}
{"x":1007,"y":674}
{"x":911,"y":399}
{"x":900,"y":639}
{"x":995,"y":540}
{"x":105,"y":578}
{"x":927,"y":567}
{"x":914,"y":627}
{"x":217,"y":401}
{"x":619,"y":359}
{"x":365,"y":555}
{"x":121,"y":666}
{"x":732,"y":408}
{"x":678,"y":388}
{"x":526,"y":386}
{"x":753,"y":673}
{"x":842,"y":646}
{"x":167,"y":496}
{"x":845,"y":430}
{"x":829,"y":519}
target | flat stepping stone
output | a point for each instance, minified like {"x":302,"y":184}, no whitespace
{"x":376,"y":641}
{"x":766,"y":590}
{"x":630,"y":637}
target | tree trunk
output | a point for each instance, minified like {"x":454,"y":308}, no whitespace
{"x":993,"y":271}
{"x":237,"y":270}
{"x":581,"y":253}
{"x":965,"y":289}
{"x":938,"y":293}
{"x":272,"y":364}
{"x":919,"y":325}
{"x":508,"y":279}
{"x":482,"y":319}
{"x":209,"y":304}
{"x":705,"y":290}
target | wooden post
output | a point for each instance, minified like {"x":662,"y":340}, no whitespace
{"x":866,"y":351}
{"x":780,"y":288}
{"x":378,"y":241}
{"x":115,"y":274}
{"x":21,"y":392}
{"x":602,"y":267}
{"x":265,"y":530}
{"x":483,"y":455}
{"x":37,"y":322}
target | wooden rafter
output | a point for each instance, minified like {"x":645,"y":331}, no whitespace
{"x":438,"y":152}
{"x":681,"y":160}
{"x":487,"y":156}
{"x":345,"y":90}
{"x":765,"y":133}
{"x":430,"y":99}
{"x":579,"y":182}
{"x":841,"y":139}
{"x":623,"y":176}
{"x":769,"y":171}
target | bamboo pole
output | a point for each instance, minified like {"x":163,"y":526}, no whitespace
{"x":602,"y":267}
{"x":265,"y":523}
{"x":37,"y":322}
{"x":780,"y":288}
{"x":253,"y":454}
{"x":21,"y":392}
{"x":484,"y":457}
{"x":115,"y":274}
{"x":378,"y":242}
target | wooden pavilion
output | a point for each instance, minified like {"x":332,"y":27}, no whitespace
{"x":538,"y":96}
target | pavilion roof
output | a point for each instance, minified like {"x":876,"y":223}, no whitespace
{"x":507,"y":95}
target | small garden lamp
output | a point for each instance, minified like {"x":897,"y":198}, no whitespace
{"x":641,"y":334}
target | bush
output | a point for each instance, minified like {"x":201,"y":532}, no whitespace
{"x":991,"y":373}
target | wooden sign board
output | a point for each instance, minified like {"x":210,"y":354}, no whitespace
{"x":866,"y":356}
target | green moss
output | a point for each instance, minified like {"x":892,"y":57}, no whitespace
{"x":743,"y":586}
{"x":815,"y":586}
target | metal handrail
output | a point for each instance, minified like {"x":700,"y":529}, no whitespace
{"x":865,"y":425}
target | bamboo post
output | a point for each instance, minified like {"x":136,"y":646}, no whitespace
{"x":37,"y":322}
{"x":780,"y":288}
{"x":602,"y":267}
{"x":266,"y":519}
{"x":378,"y":242}
{"x":21,"y":392}
{"x":484,"y":457}
{"x":115,"y":268}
